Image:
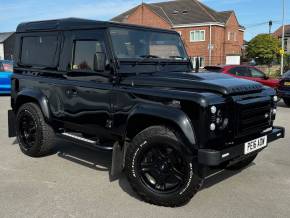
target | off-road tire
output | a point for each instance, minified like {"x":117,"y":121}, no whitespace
{"x":287,"y":101}
{"x":244,"y":163}
{"x":148,"y":139}
{"x":44,"y":134}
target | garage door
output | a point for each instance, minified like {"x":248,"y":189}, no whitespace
{"x":233,"y":60}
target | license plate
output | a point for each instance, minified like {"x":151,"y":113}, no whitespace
{"x":256,"y":144}
{"x":287,"y":83}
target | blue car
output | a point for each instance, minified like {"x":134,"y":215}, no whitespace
{"x":6,"y":70}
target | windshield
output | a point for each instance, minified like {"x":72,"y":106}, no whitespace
{"x":134,"y":43}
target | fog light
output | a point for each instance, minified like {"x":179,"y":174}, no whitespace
{"x":212,"y":127}
{"x":275,"y":98}
{"x":274,"y":111}
{"x":213,"y":109}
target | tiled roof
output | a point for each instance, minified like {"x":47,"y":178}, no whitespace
{"x":278,"y":32}
{"x":180,"y":12}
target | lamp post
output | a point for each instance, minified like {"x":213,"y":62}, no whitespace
{"x":283,"y":39}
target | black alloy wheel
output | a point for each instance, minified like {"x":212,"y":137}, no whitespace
{"x":163,"y":169}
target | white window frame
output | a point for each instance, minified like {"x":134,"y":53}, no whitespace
{"x":192,"y":33}
{"x":201,"y":63}
{"x":232,"y":36}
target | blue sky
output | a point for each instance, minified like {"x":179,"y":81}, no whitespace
{"x":249,"y":12}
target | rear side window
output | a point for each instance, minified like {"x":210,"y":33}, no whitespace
{"x":39,"y":50}
{"x":84,"y":52}
{"x":240,"y":71}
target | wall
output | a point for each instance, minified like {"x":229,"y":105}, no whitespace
{"x":9,"y":47}
{"x":144,"y":16}
{"x":1,"y":51}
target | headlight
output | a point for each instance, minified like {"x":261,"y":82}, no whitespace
{"x":213,"y":109}
{"x":219,"y":121}
{"x":275,"y":98}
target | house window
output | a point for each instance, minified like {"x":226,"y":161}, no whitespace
{"x":232,"y":36}
{"x":201,"y":61}
{"x":197,"y":35}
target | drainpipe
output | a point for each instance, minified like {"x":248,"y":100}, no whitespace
{"x":210,"y":44}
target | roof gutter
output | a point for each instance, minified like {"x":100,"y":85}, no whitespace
{"x":199,"y":24}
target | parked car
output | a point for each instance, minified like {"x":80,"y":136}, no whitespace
{"x":284,"y":88}
{"x":6,"y":70}
{"x":245,"y":72}
{"x":130,"y":89}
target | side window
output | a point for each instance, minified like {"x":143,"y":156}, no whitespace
{"x":240,"y":71}
{"x":83,"y":54}
{"x":1,"y":67}
{"x":39,"y":50}
{"x":257,"y":73}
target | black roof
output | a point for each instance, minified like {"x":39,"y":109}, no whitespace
{"x":74,"y":24}
{"x":180,"y":12}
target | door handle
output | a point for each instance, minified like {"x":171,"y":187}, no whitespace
{"x":71,"y":92}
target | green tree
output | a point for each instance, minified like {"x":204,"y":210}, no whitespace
{"x":264,"y":48}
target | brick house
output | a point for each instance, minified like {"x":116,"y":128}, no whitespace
{"x":278,"y":34}
{"x":213,"y":37}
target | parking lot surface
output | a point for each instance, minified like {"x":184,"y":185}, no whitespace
{"x":75,"y":182}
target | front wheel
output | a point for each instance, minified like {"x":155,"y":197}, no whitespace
{"x":158,"y":170}
{"x":287,"y":101}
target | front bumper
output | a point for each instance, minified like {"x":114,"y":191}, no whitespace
{"x":211,"y":157}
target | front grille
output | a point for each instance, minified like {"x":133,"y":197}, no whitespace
{"x":253,"y":116}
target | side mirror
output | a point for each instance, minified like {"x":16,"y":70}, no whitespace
{"x":266,"y":77}
{"x":99,"y":61}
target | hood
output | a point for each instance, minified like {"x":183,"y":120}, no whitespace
{"x":207,"y":82}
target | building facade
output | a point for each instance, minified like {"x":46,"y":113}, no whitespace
{"x":210,"y":36}
{"x":278,"y":34}
{"x":6,"y":45}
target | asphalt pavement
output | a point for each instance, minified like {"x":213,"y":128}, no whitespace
{"x":75,"y":182}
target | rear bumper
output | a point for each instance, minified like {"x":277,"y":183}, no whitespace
{"x":283,"y":93}
{"x":216,"y":157}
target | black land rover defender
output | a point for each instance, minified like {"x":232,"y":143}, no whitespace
{"x":131,"y":89}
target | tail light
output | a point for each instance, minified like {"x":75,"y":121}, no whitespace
{"x":8,"y":67}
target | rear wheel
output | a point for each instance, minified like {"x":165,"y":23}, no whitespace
{"x":287,"y":101}
{"x":35,"y":136}
{"x":158,"y":170}
{"x":244,"y":163}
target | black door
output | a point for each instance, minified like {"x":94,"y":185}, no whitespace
{"x":86,"y":93}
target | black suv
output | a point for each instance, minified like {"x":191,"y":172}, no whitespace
{"x":130,"y":89}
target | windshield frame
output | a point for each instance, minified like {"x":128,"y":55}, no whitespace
{"x":148,"y":59}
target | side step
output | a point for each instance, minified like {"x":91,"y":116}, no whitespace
{"x":85,"y":142}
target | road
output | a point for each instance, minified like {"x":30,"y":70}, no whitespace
{"x":75,"y":182}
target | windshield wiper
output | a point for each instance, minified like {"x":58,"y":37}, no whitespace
{"x":149,"y":56}
{"x":176,"y":57}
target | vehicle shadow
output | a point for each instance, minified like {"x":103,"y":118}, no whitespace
{"x":282,"y":104}
{"x":98,"y":160}
{"x":93,"y":159}
{"x":221,"y":176}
